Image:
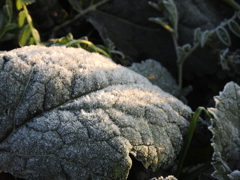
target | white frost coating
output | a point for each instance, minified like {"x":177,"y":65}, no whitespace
{"x":158,"y":75}
{"x":226,"y":133}
{"x":66,"y":113}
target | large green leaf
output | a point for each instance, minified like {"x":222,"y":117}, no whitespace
{"x":226,"y":133}
{"x":66,"y":113}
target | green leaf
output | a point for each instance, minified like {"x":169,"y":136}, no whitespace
{"x":172,"y":14}
{"x":7,"y":28}
{"x":10,"y":27}
{"x":197,"y":36}
{"x":36,"y":36}
{"x":21,"y":18}
{"x":225,"y":127}
{"x":25,"y":35}
{"x":234,"y":27}
{"x":204,"y":37}
{"x":223,"y":59}
{"x":69,"y":36}
{"x":19,"y":4}
{"x":158,"y":6}
{"x":7,"y":10}
{"x":31,"y":41}
{"x":7,"y":37}
{"x":223,"y":35}
{"x":238,"y":14}
{"x":162,"y":22}
{"x":181,"y":53}
{"x":187,"y":47}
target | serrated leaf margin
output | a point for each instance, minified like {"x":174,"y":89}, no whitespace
{"x":226,"y":128}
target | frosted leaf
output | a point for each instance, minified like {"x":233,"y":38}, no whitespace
{"x":226,"y":133}
{"x":158,"y":75}
{"x":66,"y":113}
{"x":162,"y":178}
{"x":223,"y":35}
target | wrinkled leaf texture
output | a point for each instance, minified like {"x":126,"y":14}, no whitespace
{"x":226,"y":133}
{"x":66,"y":113}
{"x":158,"y":75}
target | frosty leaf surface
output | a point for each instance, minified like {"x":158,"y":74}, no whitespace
{"x":158,"y":75}
{"x":226,"y":133}
{"x":66,"y":113}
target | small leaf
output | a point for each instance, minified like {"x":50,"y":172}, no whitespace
{"x":7,"y":28}
{"x":223,"y":35}
{"x":7,"y":10}
{"x":172,"y":14}
{"x":36,"y":36}
{"x":21,"y":18}
{"x":10,"y":27}
{"x":76,"y":5}
{"x":204,"y":37}
{"x":181,"y":53}
{"x":234,"y":27}
{"x":19,"y":4}
{"x":31,"y":41}
{"x":223,"y":59}
{"x":7,"y":37}
{"x":197,"y":36}
{"x":29,"y":18}
{"x":159,"y":6}
{"x":24,"y":36}
{"x":162,"y":22}
{"x":69,"y":36}
{"x":187,"y":47}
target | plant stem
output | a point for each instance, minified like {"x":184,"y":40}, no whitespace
{"x":234,"y":4}
{"x":88,"y":43}
{"x":181,"y":62}
{"x":189,"y":136}
{"x":84,"y":12}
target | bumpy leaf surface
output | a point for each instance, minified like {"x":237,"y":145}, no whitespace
{"x":66,"y":113}
{"x":226,"y":133}
{"x":158,"y":75}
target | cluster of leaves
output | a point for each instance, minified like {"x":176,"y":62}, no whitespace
{"x":84,"y":43}
{"x":29,"y":35}
{"x":228,"y":60}
{"x":170,"y":22}
{"x":6,"y":24}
